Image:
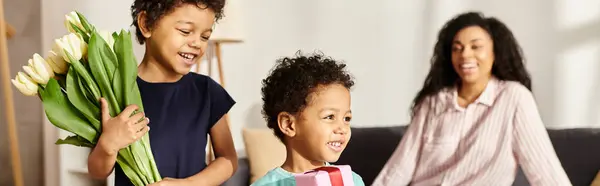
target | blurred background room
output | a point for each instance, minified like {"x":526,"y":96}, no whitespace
{"x":386,"y":44}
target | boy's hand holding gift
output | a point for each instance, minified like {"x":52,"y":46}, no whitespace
{"x":339,"y":175}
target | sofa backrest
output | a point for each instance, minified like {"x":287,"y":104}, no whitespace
{"x":579,"y":152}
{"x":370,"y":148}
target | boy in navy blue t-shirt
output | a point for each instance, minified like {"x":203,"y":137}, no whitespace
{"x":180,"y":107}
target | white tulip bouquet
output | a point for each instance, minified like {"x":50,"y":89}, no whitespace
{"x":82,"y":67}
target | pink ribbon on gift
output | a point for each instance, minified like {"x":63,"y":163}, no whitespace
{"x":335,"y":175}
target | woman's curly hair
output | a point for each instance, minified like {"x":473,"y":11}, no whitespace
{"x":156,"y":9}
{"x":292,"y":80}
{"x":509,"y":62}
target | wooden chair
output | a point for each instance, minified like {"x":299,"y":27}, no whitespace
{"x":7,"y":32}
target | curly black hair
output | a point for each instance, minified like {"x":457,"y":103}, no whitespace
{"x":293,"y":79}
{"x":509,"y":62}
{"x":156,"y":9}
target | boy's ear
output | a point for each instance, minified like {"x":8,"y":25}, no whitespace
{"x":287,"y":124}
{"x":141,"y":20}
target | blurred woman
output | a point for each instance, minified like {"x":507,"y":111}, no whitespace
{"x":475,"y":119}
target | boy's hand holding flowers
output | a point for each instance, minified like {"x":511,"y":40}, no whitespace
{"x":122,"y":130}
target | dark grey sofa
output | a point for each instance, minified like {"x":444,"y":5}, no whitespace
{"x":578,"y":150}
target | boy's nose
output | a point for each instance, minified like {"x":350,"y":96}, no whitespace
{"x":343,"y":129}
{"x":196,"y":44}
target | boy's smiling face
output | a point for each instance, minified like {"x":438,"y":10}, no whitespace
{"x":179,"y":39}
{"x":322,"y":130}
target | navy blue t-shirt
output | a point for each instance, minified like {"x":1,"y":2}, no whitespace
{"x":181,"y":115}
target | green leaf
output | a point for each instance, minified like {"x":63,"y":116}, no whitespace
{"x":87,"y":92}
{"x":109,"y":58}
{"x":83,"y":73}
{"x":154,"y":169}
{"x":128,"y":70}
{"x":74,"y":140}
{"x":62,"y":114}
{"x":86,"y":25}
{"x":132,"y":174}
{"x":89,"y":109}
{"x":115,"y":36}
{"x":128,"y":155}
{"x":84,"y":35}
{"x":102,"y":64}
{"x":119,"y":89}
{"x":139,"y":155}
{"x":118,"y":78}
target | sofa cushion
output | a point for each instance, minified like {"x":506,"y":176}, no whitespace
{"x":264,"y":151}
{"x":241,"y":175}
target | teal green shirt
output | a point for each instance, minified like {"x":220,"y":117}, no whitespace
{"x":280,"y":177}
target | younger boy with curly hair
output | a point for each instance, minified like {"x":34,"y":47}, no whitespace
{"x":307,"y":104}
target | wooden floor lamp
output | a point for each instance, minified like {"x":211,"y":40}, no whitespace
{"x":226,"y":31}
{"x":214,"y":52}
{"x":6,"y":32}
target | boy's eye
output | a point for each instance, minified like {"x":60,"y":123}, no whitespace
{"x":185,"y":32}
{"x":347,"y":119}
{"x":205,"y":38}
{"x":329,"y":117}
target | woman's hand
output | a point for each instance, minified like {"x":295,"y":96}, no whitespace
{"x":122,"y":130}
{"x":169,"y":182}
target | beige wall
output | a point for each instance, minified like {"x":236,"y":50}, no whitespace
{"x":24,"y":15}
